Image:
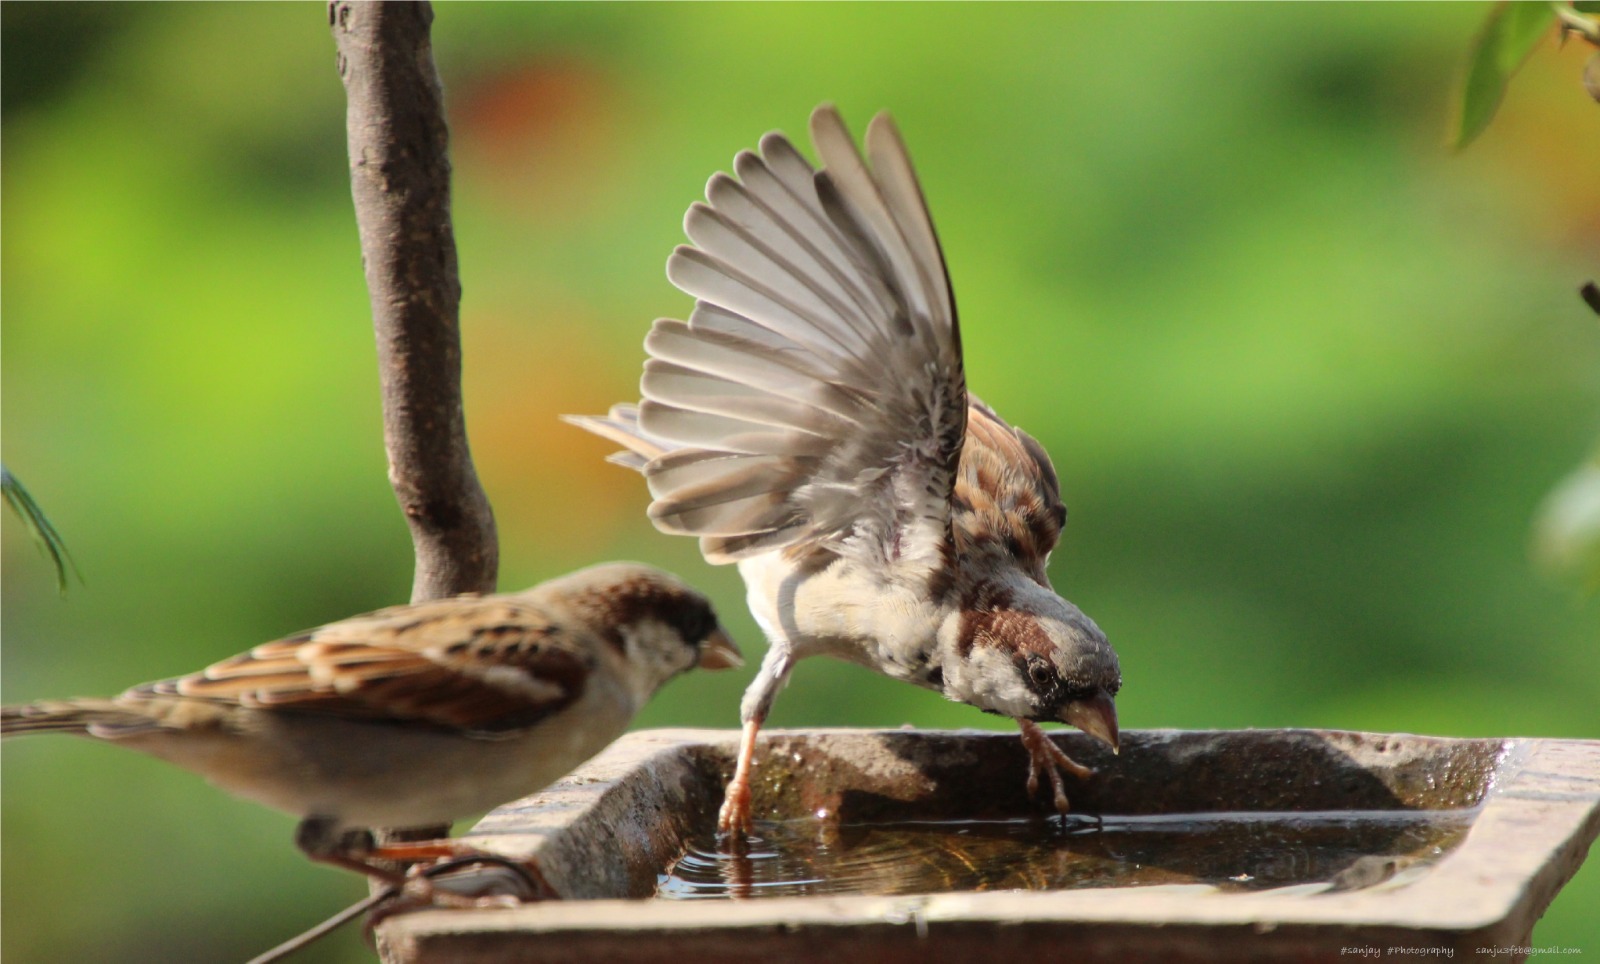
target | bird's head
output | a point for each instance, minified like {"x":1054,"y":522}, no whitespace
{"x":659,"y":624}
{"x":1024,"y":652}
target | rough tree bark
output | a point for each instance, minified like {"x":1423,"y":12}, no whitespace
{"x":400,"y":180}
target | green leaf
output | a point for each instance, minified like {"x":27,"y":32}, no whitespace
{"x":1586,"y":6}
{"x":44,"y":534}
{"x":1508,"y":37}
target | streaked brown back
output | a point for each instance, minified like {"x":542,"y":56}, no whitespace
{"x":1007,"y":496}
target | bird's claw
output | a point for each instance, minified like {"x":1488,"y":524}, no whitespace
{"x":734,"y":817}
{"x":1044,"y":756}
{"x":495,"y":881}
{"x":521,"y":882}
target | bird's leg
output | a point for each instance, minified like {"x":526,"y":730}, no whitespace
{"x":320,"y":839}
{"x":446,"y":855}
{"x":416,"y":851}
{"x":734,"y":817}
{"x":1044,"y":755}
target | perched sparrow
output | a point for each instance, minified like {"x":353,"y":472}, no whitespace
{"x":415,"y":715}
{"x":811,"y":422}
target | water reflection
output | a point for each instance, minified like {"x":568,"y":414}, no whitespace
{"x":1232,"y":851}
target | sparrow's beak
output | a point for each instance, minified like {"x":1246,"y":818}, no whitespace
{"x":718,"y":652}
{"x":1096,"y":716}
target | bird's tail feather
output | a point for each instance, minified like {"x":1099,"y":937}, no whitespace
{"x":69,"y":716}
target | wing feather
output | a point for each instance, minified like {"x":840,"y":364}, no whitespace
{"x":718,"y":395}
{"x":815,"y":399}
{"x":481,"y":664}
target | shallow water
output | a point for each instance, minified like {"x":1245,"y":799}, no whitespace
{"x":1232,"y":851}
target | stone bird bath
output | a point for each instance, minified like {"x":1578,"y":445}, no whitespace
{"x":1517,"y":814}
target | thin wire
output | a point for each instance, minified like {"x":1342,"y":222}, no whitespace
{"x":528,"y":876}
{"x":326,"y":927}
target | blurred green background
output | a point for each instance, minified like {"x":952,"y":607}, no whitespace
{"x":1306,"y":376}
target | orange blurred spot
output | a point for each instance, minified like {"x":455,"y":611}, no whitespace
{"x":542,"y":131}
{"x":548,"y":481}
{"x":1546,"y":131}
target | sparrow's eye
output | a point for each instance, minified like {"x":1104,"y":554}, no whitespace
{"x":1040,"y":672}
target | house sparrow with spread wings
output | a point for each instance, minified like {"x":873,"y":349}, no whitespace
{"x":811,"y":423}
{"x":415,"y":715}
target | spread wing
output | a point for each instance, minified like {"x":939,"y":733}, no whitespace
{"x":815,"y":398}
{"x":480,"y":664}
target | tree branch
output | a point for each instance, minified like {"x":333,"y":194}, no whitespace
{"x":400,"y":179}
